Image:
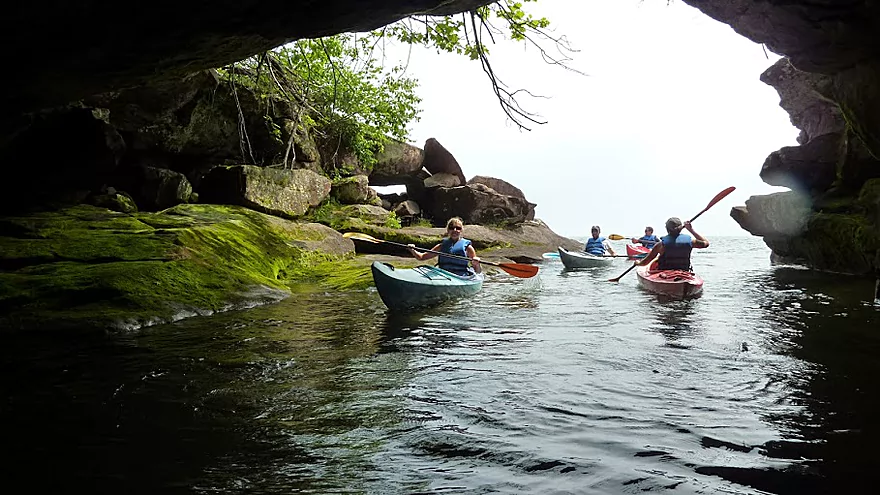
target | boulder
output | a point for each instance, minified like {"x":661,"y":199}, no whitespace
{"x":778,"y":214}
{"x":354,"y":190}
{"x":284,"y":193}
{"x":808,"y":167}
{"x":158,"y":188}
{"x":504,"y":187}
{"x":397,"y":162}
{"x":442,"y":180}
{"x":500,"y":186}
{"x":408,"y":208}
{"x":116,"y":201}
{"x":438,"y":160}
{"x":375,"y":215}
{"x":476,"y":203}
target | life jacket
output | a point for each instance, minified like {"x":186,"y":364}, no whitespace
{"x":676,"y":253}
{"x":649,"y":240}
{"x":595,"y":246}
{"x":455,"y":265}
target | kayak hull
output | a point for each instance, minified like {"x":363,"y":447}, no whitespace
{"x":574,"y":259}
{"x":407,"y":289}
{"x":680,"y":284}
{"x":636,"y":251}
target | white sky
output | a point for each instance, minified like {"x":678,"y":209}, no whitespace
{"x":670,"y":113}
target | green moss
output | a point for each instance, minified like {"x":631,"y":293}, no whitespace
{"x":846,"y":243}
{"x":88,"y":265}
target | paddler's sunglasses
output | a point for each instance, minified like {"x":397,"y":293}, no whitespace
{"x":455,"y":227}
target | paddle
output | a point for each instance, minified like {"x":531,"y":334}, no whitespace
{"x":718,"y":197}
{"x":516,"y":269}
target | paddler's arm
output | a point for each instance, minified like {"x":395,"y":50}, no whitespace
{"x":699,"y":241}
{"x":607,"y":247}
{"x":424,"y":255}
{"x":657,"y":250}
{"x":475,"y":260}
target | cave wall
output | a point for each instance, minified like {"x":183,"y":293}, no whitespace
{"x":829,"y":84}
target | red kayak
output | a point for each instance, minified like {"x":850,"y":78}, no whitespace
{"x":638,"y":251}
{"x":676,"y":283}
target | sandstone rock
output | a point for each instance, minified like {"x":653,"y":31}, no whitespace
{"x":440,"y":161}
{"x":116,"y":201}
{"x":285,"y":193}
{"x":408,"y":208}
{"x":778,"y":214}
{"x":370,"y":213}
{"x":500,"y":186}
{"x":806,"y":97}
{"x":354,"y":190}
{"x":131,"y":51}
{"x":475,"y":205}
{"x":504,"y":187}
{"x":523,"y":243}
{"x":159,"y":188}
{"x":809,"y":167}
{"x":442,"y":180}
{"x":396,"y":163}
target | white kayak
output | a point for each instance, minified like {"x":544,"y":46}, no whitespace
{"x":580,"y":259}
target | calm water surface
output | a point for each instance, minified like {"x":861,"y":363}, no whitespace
{"x":560,"y":384}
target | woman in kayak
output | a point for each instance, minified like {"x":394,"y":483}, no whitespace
{"x":454,"y":244}
{"x":674,"y":249}
{"x":648,"y":240}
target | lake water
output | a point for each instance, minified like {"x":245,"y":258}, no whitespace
{"x":564,"y":383}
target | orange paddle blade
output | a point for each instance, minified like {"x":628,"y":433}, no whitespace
{"x":518,"y":269}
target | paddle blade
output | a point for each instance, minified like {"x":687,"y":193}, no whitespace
{"x":616,"y":237}
{"x":718,"y":197}
{"x":519,"y":270}
{"x":361,"y":237}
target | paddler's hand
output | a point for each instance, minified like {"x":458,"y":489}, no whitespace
{"x":476,"y":262}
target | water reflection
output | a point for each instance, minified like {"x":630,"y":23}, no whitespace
{"x":832,"y":433}
{"x":675,"y":318}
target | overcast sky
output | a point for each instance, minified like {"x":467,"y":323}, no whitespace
{"x":670,"y":113}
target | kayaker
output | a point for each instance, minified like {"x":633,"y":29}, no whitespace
{"x":455,"y":244}
{"x":648,"y":240}
{"x":597,"y":246}
{"x":675,"y":248}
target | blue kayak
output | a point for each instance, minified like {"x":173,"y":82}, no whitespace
{"x":404,"y":289}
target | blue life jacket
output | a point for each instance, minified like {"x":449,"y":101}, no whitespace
{"x":676,"y":253}
{"x":455,"y":265}
{"x":595,"y":246}
{"x":648,"y":240}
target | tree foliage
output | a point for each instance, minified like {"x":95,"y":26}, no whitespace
{"x":342,"y":92}
{"x":339,"y":92}
{"x":470,"y":34}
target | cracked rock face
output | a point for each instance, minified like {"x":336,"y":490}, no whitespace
{"x":64,"y":51}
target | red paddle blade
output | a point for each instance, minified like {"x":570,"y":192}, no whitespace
{"x":718,"y":197}
{"x":519,"y":270}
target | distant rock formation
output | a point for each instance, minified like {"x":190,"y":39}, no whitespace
{"x":438,"y":160}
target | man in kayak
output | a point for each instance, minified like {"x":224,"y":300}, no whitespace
{"x":597,"y":246}
{"x":675,"y":248}
{"x":454,"y":244}
{"x":648,"y":240}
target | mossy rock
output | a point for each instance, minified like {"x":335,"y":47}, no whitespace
{"x":835,"y":242}
{"x":89,"y":266}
